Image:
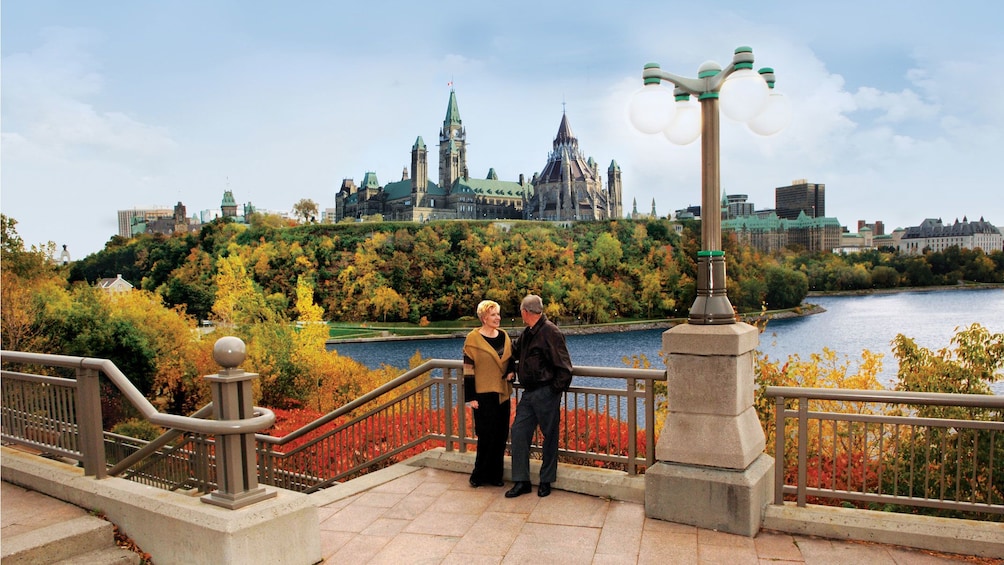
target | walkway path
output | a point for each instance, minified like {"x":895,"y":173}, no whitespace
{"x":431,"y":516}
{"x":434,"y":516}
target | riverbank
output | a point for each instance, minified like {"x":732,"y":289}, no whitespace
{"x":806,"y":309}
{"x":897,"y":290}
{"x":590,"y":329}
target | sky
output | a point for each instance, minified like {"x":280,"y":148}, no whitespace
{"x":113,"y":104}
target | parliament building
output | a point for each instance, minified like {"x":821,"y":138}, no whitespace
{"x":569,"y":188}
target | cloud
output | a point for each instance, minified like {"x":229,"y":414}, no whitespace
{"x":895,"y":107}
{"x":48,"y":109}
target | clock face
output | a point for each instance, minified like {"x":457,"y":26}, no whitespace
{"x":456,"y":133}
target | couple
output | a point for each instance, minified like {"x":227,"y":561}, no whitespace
{"x":491,"y":362}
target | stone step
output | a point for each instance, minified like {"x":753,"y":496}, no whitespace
{"x":110,"y":556}
{"x":61,"y":541}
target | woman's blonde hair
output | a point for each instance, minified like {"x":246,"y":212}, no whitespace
{"x":485,"y":306}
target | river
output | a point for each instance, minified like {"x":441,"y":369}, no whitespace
{"x":849,"y":325}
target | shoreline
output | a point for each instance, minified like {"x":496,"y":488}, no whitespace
{"x":897,"y":290}
{"x":804,"y":310}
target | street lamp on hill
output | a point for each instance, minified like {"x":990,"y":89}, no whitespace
{"x":743,"y":95}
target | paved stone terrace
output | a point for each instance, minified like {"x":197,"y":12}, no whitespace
{"x":434,"y":516}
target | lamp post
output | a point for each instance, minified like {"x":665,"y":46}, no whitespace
{"x":711,"y":440}
{"x":743,"y":95}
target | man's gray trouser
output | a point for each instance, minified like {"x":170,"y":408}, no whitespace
{"x":540,"y":407}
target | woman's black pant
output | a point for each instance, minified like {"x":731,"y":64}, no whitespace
{"x":491,"y":424}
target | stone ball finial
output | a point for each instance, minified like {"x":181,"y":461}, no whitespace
{"x":229,"y":352}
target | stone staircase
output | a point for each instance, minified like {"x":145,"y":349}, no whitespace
{"x":38,"y":529}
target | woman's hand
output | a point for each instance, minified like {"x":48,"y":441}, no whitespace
{"x":510,"y":377}
{"x":473,"y":404}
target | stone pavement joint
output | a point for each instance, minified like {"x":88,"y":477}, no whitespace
{"x":428,"y":515}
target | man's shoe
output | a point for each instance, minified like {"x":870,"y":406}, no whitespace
{"x":517,"y":489}
{"x":498,"y":483}
{"x":474,"y":483}
{"x":544,"y":489}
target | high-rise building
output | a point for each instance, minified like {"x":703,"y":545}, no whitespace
{"x":800,"y":196}
{"x":736,"y":206}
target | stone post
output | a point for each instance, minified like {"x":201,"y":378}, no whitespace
{"x":236,"y":458}
{"x":711,"y":470}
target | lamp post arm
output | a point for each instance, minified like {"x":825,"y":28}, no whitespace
{"x":693,"y":86}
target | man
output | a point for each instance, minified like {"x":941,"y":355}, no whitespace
{"x":544,"y":370}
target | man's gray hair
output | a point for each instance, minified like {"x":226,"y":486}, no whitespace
{"x":532,"y":303}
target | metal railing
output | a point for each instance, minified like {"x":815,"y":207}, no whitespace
{"x":420,"y":409}
{"x":62,"y":416}
{"x":607,"y":426}
{"x":889,"y":449}
{"x":878,"y":448}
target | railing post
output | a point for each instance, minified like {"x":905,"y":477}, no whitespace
{"x":803,"y":441}
{"x":632,"y":404}
{"x":236,"y":458}
{"x":779,"y":439}
{"x":88,"y":408}
{"x":448,"y":391}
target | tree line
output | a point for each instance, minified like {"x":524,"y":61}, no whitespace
{"x":590,"y":271}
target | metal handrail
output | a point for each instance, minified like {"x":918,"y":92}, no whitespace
{"x":889,"y":470}
{"x":405,"y":377}
{"x":262,"y":420}
{"x":889,"y":396}
{"x":152,"y":447}
{"x":452,"y":364}
{"x":455,"y":432}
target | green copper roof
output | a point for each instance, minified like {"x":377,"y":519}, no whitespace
{"x":452,"y":113}
{"x":419,"y":144}
{"x":772,"y":222}
{"x":492,"y":175}
{"x":370,"y":180}
{"x":614,"y":166}
{"x":490,"y":188}
{"x":402,"y":189}
{"x":228,"y":199}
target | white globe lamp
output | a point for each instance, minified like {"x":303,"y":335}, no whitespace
{"x":651,"y":108}
{"x":743,"y":95}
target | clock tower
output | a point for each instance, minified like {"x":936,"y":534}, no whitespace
{"x":452,"y":146}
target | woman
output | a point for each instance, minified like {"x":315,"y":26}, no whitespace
{"x":487,"y":351}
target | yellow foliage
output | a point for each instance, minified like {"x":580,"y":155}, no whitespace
{"x":821,"y":370}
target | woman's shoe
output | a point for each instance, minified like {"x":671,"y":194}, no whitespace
{"x":474,"y":483}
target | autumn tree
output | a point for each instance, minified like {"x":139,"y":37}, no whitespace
{"x":386,"y":301}
{"x":26,"y":274}
{"x":973,"y":361}
{"x":306,"y":210}
{"x":238,"y":300}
